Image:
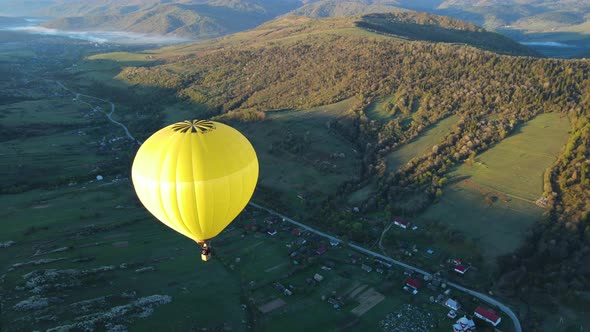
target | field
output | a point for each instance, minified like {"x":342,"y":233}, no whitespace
{"x":421,"y":144}
{"x":75,"y":250}
{"x":300,"y":156}
{"x":492,"y":200}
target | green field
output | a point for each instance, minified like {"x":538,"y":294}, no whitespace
{"x":299,"y":154}
{"x":379,"y":109}
{"x":492,"y":200}
{"x":421,"y":144}
{"x":104,"y":226}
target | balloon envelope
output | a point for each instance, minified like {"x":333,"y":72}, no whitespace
{"x":195,"y":176}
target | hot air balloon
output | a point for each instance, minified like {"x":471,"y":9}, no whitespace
{"x":195,"y":177}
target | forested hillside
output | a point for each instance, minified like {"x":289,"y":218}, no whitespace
{"x":492,"y":94}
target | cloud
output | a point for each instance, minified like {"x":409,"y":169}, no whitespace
{"x":120,"y":37}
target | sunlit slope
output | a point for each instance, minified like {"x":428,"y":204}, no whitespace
{"x":421,"y":144}
{"x":492,"y":200}
{"x":294,"y":62}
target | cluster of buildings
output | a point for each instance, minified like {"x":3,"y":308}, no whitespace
{"x":412,"y":284}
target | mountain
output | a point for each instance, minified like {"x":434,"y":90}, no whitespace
{"x":233,"y":89}
{"x":496,"y":14}
{"x":195,"y":19}
{"x":24,"y":7}
{"x":535,"y":21}
{"x":422,"y":26}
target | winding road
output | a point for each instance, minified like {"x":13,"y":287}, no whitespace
{"x":108,"y":115}
{"x":483,"y":297}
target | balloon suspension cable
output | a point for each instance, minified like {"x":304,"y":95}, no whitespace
{"x":205,"y":250}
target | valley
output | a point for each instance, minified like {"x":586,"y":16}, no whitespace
{"x":456,"y":139}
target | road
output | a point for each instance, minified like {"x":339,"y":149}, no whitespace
{"x":108,"y":115}
{"x":483,"y":297}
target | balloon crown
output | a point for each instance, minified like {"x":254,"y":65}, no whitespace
{"x":194,"y":126}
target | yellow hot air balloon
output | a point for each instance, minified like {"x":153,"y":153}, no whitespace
{"x":195,"y":177}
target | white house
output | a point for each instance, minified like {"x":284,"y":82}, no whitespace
{"x":452,"y":304}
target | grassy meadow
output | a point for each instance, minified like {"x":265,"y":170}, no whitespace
{"x":300,"y":155}
{"x":492,"y":200}
{"x":421,"y":144}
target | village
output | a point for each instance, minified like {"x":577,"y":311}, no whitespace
{"x":349,"y":283}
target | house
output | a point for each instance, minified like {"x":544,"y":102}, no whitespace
{"x":452,"y":314}
{"x":272,"y":232}
{"x":456,"y":261}
{"x":464,"y":324}
{"x":412,"y":286}
{"x":452,"y":304}
{"x":298,"y":251}
{"x":461,"y":269}
{"x":489,"y":315}
{"x":413,"y":283}
{"x":271,"y":220}
{"x":279,"y":287}
{"x":321,"y":251}
{"x":334,"y":242}
{"x":366,"y":268}
{"x":287,"y":292}
{"x":318,"y":277}
{"x":384,"y":263}
{"x":400,"y":222}
{"x":300,"y":241}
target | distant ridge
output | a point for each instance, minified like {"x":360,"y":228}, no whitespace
{"x":191,"y":18}
{"x":423,"y":26}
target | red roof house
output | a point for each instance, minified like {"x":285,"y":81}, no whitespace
{"x":321,"y":250}
{"x":461,"y":269}
{"x":403,"y":223}
{"x":488,"y":315}
{"x":411,"y":282}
